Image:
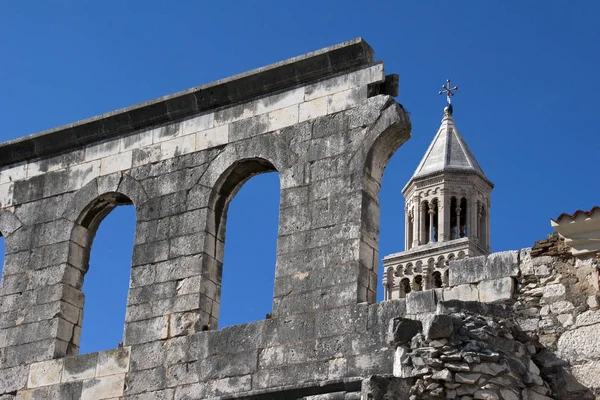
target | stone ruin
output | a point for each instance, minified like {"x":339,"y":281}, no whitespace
{"x":512,"y":325}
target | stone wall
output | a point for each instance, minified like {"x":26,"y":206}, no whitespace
{"x":325,"y":121}
{"x":514,"y":326}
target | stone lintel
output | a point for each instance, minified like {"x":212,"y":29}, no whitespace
{"x":294,"y":71}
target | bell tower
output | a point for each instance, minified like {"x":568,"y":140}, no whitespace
{"x":447,"y":208}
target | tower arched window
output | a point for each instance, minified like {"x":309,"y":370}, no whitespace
{"x":437,"y":279}
{"x":463,"y":218}
{"x":404,"y":287}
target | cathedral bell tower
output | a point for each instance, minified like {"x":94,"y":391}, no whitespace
{"x":447,"y":207}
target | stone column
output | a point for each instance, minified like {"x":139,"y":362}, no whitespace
{"x":442,"y":218}
{"x":422,"y":219}
{"x":457,"y":210}
{"x":431,"y":214}
{"x":415,"y":235}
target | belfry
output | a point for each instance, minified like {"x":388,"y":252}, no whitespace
{"x":447,"y":207}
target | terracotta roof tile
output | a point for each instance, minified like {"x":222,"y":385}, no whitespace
{"x":577,"y":213}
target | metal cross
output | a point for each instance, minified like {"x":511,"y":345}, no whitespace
{"x":448,"y":91}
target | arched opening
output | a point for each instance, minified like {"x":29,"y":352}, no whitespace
{"x":454,"y":211}
{"x":446,"y":277}
{"x":425,"y":223}
{"x":418,"y":283}
{"x":437,"y":279}
{"x":419,"y":267}
{"x":104,"y":236}
{"x":251,"y":253}
{"x":434,"y":220}
{"x":404,"y":287}
{"x":463,"y":218}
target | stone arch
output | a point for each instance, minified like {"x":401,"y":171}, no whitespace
{"x":419,"y":267}
{"x":84,"y":228}
{"x":399,"y":270}
{"x":223,"y":191}
{"x":417,"y":283}
{"x":404,"y":287}
{"x":437,"y":279}
{"x":118,"y":183}
{"x":389,"y":127}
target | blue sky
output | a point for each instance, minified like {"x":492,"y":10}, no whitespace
{"x":527,"y":106}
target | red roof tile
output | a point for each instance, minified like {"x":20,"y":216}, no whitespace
{"x":577,"y":213}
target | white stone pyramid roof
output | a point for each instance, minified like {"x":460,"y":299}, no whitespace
{"x":447,"y":152}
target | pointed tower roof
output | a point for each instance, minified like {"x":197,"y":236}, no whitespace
{"x":447,"y":152}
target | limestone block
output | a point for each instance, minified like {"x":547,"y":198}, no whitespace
{"x":113,"y":362}
{"x":14,"y":172}
{"x":178,"y":147}
{"x":561,"y":307}
{"x":313,"y":109}
{"x":225,"y":386}
{"x":13,"y":379}
{"x":554,"y":290}
{"x":589,"y":317}
{"x":102,"y":150}
{"x":326,"y":87}
{"x":461,"y":292}
{"x":579,"y":344}
{"x":592,"y":302}
{"x":345,"y":100}
{"x":421,"y":302}
{"x":469,"y":270}
{"x":6,"y":194}
{"x":45,"y":373}
{"x":283,"y":117}
{"x":137,"y":140}
{"x":103,"y":388}
{"x":117,"y":162}
{"x":209,"y":138}
{"x":279,"y":101}
{"x":526,"y":263}
{"x":197,"y":123}
{"x":502,"y":264}
{"x":80,"y":367}
{"x":496,"y":290}
{"x":565,"y":319}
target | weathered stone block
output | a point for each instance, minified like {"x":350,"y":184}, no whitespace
{"x":462,"y":292}
{"x":79,"y":367}
{"x":421,"y":302}
{"x":45,"y":373}
{"x":496,"y":290}
{"x":103,"y":388}
{"x":113,"y":362}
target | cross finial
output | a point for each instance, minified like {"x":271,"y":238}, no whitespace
{"x":449,"y":92}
